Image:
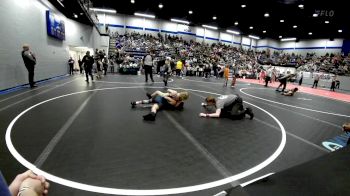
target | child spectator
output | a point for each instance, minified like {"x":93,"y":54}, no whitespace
{"x":226,"y":73}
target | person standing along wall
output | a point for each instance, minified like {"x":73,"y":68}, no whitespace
{"x":80,"y":65}
{"x":29,"y":60}
{"x":71,"y":65}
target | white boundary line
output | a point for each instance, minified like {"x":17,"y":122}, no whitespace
{"x":333,"y":99}
{"x":212,"y":82}
{"x":42,"y":92}
{"x":288,"y":133}
{"x":256,"y":179}
{"x":170,"y":80}
{"x":106,"y":190}
{"x":293,"y":106}
{"x":32,"y":90}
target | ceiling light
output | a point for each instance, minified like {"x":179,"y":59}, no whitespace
{"x":180,"y":21}
{"x":214,"y":17}
{"x":75,"y":16}
{"x":160,"y":6}
{"x":280,"y":36}
{"x":103,"y":10}
{"x":281,"y":20}
{"x":234,"y":32}
{"x":209,"y":27}
{"x":326,"y":21}
{"x":310,"y":33}
{"x":254,"y":37}
{"x":288,"y":39}
{"x":190,"y":12}
{"x":251,"y":27}
{"x":264,"y":31}
{"x":266,"y":15}
{"x":132,"y":1}
{"x":339,"y":31}
{"x":144,"y":15}
{"x":301,"y":6}
{"x":81,"y":13}
{"x":243,"y":6}
{"x":314,"y":15}
{"x":236,"y":23}
{"x":295,"y":26}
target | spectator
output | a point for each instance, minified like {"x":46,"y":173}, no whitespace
{"x":80,"y":65}
{"x":301,"y":78}
{"x":179,"y":65}
{"x":105,"y":64}
{"x":226,"y":74}
{"x":25,"y":184}
{"x":316,"y":79}
{"x":333,"y":83}
{"x":268,"y":75}
{"x":337,"y":83}
{"x":71,"y":65}
{"x":29,"y":61}
{"x":88,"y":61}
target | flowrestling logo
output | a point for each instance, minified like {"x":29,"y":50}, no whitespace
{"x":337,"y":142}
{"x":332,"y":146}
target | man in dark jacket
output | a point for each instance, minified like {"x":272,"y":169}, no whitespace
{"x":88,"y":61}
{"x":29,"y":60}
{"x":71,"y":66}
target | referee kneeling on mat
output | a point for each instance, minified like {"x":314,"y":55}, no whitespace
{"x":226,"y":106}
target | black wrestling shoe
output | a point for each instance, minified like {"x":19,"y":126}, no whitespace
{"x":149,"y":95}
{"x":180,"y":106}
{"x":133,"y":104}
{"x":249,"y":111}
{"x":150,"y":117}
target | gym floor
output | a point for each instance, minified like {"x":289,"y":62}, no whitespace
{"x":93,"y":136}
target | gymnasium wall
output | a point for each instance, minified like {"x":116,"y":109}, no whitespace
{"x":317,"y":46}
{"x":24,"y":21}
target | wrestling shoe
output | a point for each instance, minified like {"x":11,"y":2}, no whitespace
{"x":133,"y":104}
{"x":150,"y":117}
{"x":180,"y":106}
{"x":149,"y":95}
{"x":249,"y":111}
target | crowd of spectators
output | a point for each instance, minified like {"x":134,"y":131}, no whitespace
{"x":130,"y":48}
{"x":329,"y":63}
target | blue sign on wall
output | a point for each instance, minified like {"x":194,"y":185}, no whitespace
{"x":55,"y":26}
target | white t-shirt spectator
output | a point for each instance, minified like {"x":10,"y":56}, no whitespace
{"x":148,"y":61}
